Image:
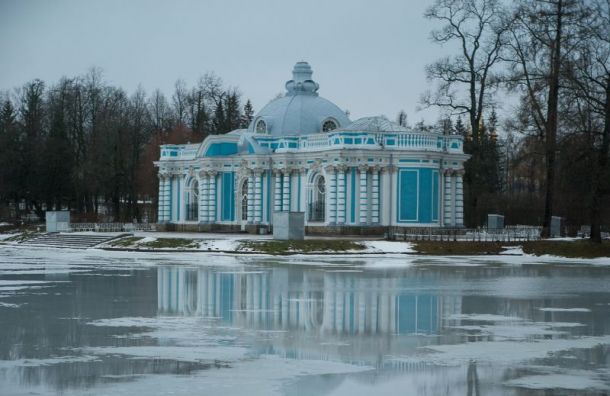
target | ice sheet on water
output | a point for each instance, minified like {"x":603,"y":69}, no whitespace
{"x":262,"y":376}
{"x":507,"y":352}
{"x":570,"y":381}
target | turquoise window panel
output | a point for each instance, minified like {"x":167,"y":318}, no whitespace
{"x":220,"y":149}
{"x":407,"y":198}
{"x":425,"y":195}
{"x":228,"y":196}
{"x":435,"y":195}
{"x":353,"y":200}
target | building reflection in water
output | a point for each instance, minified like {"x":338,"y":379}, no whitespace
{"x":340,"y":303}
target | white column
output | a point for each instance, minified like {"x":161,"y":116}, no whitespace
{"x":258,"y":190}
{"x":375,"y":196}
{"x":163,"y":212}
{"x":341,"y":201}
{"x":250,"y":193}
{"x":363,"y":194}
{"x":204,"y":198}
{"x":277,"y":200}
{"x":447,"y":201}
{"x":286,"y":191}
{"x":459,"y":200}
{"x":331,"y":196}
{"x":212,"y":202}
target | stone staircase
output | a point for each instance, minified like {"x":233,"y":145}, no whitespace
{"x":71,"y":240}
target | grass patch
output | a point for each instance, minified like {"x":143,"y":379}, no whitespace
{"x":307,"y":246}
{"x":458,"y":248}
{"x":171,"y":243}
{"x":575,"y":249}
{"x":125,"y":242}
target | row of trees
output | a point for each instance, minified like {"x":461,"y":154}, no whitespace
{"x":89,"y":146}
{"x":552,"y":59}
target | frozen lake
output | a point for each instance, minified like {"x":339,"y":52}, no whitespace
{"x":96,"y":322}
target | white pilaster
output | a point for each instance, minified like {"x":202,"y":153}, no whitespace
{"x":258,"y":190}
{"x":250,"y":193}
{"x":459,"y":200}
{"x":363,"y":194}
{"x":448,"y":219}
{"x":212,"y":199}
{"x":375,"y":196}
{"x":277,"y":201}
{"x":286,"y":191}
{"x":163,"y":213}
{"x":341,"y":201}
{"x":204,"y":197}
{"x":331,"y":213}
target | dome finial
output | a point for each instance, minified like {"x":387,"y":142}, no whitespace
{"x":301,"y":82}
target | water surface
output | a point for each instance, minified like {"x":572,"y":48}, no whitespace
{"x":94,"y":322}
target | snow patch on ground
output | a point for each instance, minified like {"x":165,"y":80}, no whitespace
{"x":512,"y":250}
{"x":388,"y":247}
{"x":485,"y":318}
{"x":564,"y":309}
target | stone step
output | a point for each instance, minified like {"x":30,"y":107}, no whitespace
{"x":70,"y":240}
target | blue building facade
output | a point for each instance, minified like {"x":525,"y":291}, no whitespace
{"x":302,"y":153}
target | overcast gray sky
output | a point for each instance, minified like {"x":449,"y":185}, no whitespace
{"x":368,"y":56}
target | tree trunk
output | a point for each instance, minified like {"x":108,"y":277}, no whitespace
{"x":551,"y":125}
{"x":598,"y":174}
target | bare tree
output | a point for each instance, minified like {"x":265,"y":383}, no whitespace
{"x":466,"y":79}
{"x":538,"y":47}
{"x":589,"y":80}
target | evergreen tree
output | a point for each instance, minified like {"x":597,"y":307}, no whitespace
{"x":248,"y":114}
{"x":460,"y":129}
{"x":220,"y":120}
{"x":232,"y":112}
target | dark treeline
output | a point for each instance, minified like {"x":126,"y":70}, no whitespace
{"x":88,"y":146}
{"x":551,"y":58}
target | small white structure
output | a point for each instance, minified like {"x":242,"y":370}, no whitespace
{"x":58,"y":221}
{"x":289,"y":226}
{"x":495,"y":222}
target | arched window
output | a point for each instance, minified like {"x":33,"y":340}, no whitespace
{"x":261,"y":126}
{"x":192,"y":206}
{"x":329,"y":125}
{"x":317,"y":205}
{"x":244,"y":201}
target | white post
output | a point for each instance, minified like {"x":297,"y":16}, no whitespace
{"x":447,"y":202}
{"x":258,"y":186}
{"x":250,"y":193}
{"x":277,"y":201}
{"x":212,"y":197}
{"x":459,"y":199}
{"x":375,"y":197}
{"x":341,"y":201}
{"x":203,"y":197}
{"x":286,"y":191}
{"x":363,"y":194}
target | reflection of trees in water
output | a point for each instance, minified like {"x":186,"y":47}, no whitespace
{"x":472,"y":379}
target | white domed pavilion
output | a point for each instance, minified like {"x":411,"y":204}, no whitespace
{"x":302,"y":153}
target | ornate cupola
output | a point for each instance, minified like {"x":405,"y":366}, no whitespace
{"x":301,"y":83}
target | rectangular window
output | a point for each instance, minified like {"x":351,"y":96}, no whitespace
{"x":228,"y":207}
{"x":407,"y":198}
